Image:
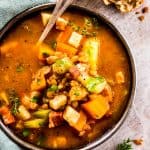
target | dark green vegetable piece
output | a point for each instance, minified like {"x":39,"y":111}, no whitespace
{"x":125,"y":145}
{"x":35,"y":99}
{"x":26,"y":132}
{"x":53,"y":88}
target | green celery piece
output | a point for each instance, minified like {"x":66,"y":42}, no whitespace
{"x":26,"y":132}
{"x":95,"y":84}
{"x":35,"y":123}
{"x":62,"y":65}
{"x":91,"y":48}
{"x":43,"y":113}
{"x":53,"y":88}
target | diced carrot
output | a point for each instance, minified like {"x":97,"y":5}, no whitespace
{"x":69,"y":50}
{"x":97,"y":107}
{"x":6,"y":115}
{"x":120,"y":77}
{"x":79,"y":126}
{"x":64,"y":35}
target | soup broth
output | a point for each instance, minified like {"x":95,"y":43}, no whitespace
{"x":19,"y":63}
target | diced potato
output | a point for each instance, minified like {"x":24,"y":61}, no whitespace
{"x":27,"y":102}
{"x":38,"y":83}
{"x":35,"y":123}
{"x":4,"y":98}
{"x":97,"y":107}
{"x":91,"y":48}
{"x":45,"y":17}
{"x":44,"y":51}
{"x":120,"y":77}
{"x":58,"y":102}
{"x":23,"y":113}
{"x":71,"y":115}
{"x":75,"y":39}
{"x":61,"y":24}
{"x":79,"y":126}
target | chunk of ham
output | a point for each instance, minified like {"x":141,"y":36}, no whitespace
{"x":55,"y":119}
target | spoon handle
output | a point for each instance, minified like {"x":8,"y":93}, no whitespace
{"x":61,"y":6}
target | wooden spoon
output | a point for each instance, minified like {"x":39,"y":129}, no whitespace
{"x":61,"y":6}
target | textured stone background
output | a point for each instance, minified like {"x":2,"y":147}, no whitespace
{"x":137,"y":124}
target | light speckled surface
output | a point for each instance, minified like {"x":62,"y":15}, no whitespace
{"x":137,"y":124}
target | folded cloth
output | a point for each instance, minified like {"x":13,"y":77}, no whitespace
{"x":8,"y":9}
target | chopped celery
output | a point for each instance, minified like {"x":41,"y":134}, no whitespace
{"x":91,"y":48}
{"x":62,"y":65}
{"x":26,"y":132}
{"x":95,"y":84}
{"x":43,"y":113}
{"x":35,"y":123}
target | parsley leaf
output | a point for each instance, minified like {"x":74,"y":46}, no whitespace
{"x":15,"y":101}
{"x":125,"y":145}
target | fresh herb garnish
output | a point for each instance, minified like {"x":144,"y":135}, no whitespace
{"x":125,"y":145}
{"x":53,"y":44}
{"x":88,"y":22}
{"x":85,"y":32}
{"x":19,"y":68}
{"x":15,"y":102}
{"x":74,"y":26}
{"x":95,"y":22}
{"x":53,"y":88}
{"x":26,"y":132}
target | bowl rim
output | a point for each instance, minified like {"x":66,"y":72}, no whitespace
{"x":122,"y":38}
